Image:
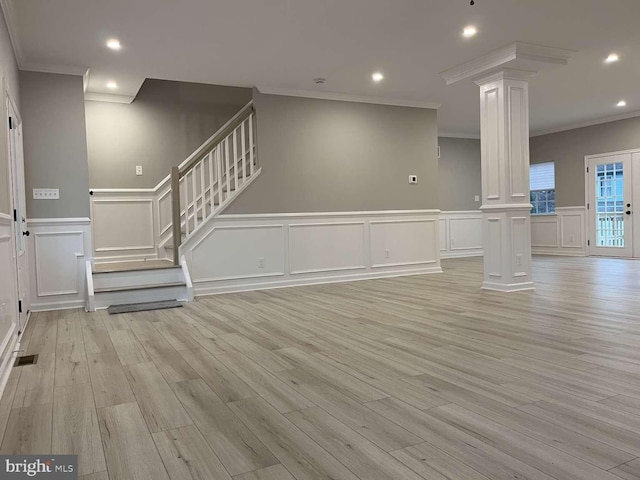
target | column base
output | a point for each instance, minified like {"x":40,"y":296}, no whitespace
{"x":508,"y":288}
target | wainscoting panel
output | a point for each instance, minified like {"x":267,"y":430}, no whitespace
{"x":57,"y":249}
{"x":462,"y":236}
{"x":233,"y":252}
{"x":123,"y":227}
{"x":563,"y":233}
{"x":326,"y":247}
{"x":401,"y":242}
{"x":251,"y":252}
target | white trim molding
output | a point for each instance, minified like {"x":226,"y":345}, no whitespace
{"x":345,"y":97}
{"x":562,"y":233}
{"x":461,"y":234}
{"x":58,"y":251}
{"x":253,"y":252}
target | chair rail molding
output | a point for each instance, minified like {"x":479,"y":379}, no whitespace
{"x":253,"y":252}
{"x":58,"y":250}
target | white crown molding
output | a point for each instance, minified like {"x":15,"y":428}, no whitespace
{"x":108,"y":97}
{"x":588,"y":123}
{"x":472,"y":136}
{"x":504,"y":56}
{"x":345,"y":97}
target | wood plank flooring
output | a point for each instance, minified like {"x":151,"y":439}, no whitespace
{"x":423,"y":377}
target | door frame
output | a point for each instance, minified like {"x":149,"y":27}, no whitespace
{"x":17,"y":173}
{"x":635,"y":201}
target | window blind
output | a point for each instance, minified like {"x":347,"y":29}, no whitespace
{"x":543,"y":176}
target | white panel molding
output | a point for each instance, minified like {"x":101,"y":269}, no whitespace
{"x":305,"y":249}
{"x":114,"y":213}
{"x":562,"y":233}
{"x":57,"y":251}
{"x":462,"y":235}
{"x":311,"y":248}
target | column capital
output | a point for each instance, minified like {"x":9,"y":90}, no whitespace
{"x":505,"y":74}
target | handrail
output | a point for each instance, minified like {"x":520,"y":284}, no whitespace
{"x":216,"y":138}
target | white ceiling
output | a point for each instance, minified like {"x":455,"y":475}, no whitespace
{"x":285,"y":44}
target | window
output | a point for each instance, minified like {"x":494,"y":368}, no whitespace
{"x":543,"y":188}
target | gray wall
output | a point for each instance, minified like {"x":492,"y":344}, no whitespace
{"x":9,"y":71}
{"x":326,"y":156}
{"x":459,"y":174}
{"x":568,"y":149}
{"x":55,"y":143}
{"x":165,"y":123}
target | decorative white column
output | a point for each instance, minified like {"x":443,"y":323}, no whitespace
{"x":506,"y":211}
{"x":502,"y":76}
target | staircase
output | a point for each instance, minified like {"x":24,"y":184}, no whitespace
{"x":200,"y":188}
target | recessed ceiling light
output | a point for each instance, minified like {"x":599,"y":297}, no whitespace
{"x":621,"y":103}
{"x":112,"y":85}
{"x":613,"y":57}
{"x":114,"y":44}
{"x":469,"y":31}
{"x":377,"y":77}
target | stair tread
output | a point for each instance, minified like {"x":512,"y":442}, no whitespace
{"x":133,"y":266}
{"x":139,"y":287}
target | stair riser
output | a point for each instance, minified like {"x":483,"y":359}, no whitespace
{"x":103,"y":300}
{"x":142,"y":277}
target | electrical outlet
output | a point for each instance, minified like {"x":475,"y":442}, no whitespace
{"x":138,"y":170}
{"x":519,"y":260}
{"x":387,"y":253}
{"x":261,"y":262}
{"x":413,"y":179}
{"x":46,"y":194}
{"x":477,"y":198}
{"x":572,"y":239}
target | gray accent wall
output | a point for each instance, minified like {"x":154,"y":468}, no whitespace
{"x":55,"y":143}
{"x":568,"y":149}
{"x":459,"y":174}
{"x":332,"y":156}
{"x":9,"y":72}
{"x":165,"y":123}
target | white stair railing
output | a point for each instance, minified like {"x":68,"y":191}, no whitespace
{"x":213,"y":175}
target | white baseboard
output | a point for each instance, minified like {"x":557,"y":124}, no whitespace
{"x":251,"y":252}
{"x":213,"y":289}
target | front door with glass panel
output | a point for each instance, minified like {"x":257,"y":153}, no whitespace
{"x":610,"y":196}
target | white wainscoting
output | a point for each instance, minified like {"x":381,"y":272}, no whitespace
{"x":461,"y":234}
{"x":127,"y":223}
{"x":251,"y":252}
{"x":563,"y":233}
{"x":57,"y":249}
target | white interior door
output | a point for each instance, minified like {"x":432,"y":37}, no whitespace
{"x":610,"y":199}
{"x":20,"y":213}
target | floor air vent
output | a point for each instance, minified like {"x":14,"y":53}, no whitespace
{"x":26,"y":360}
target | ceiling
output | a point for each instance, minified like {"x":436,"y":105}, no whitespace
{"x":285,"y":44}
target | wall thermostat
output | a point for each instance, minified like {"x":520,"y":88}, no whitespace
{"x":413,"y":178}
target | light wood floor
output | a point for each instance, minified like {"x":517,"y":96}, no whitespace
{"x":424,"y":377}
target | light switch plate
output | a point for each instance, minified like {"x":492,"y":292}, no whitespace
{"x":46,"y":194}
{"x":138,"y":170}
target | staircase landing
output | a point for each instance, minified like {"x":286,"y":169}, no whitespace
{"x":133,"y":266}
